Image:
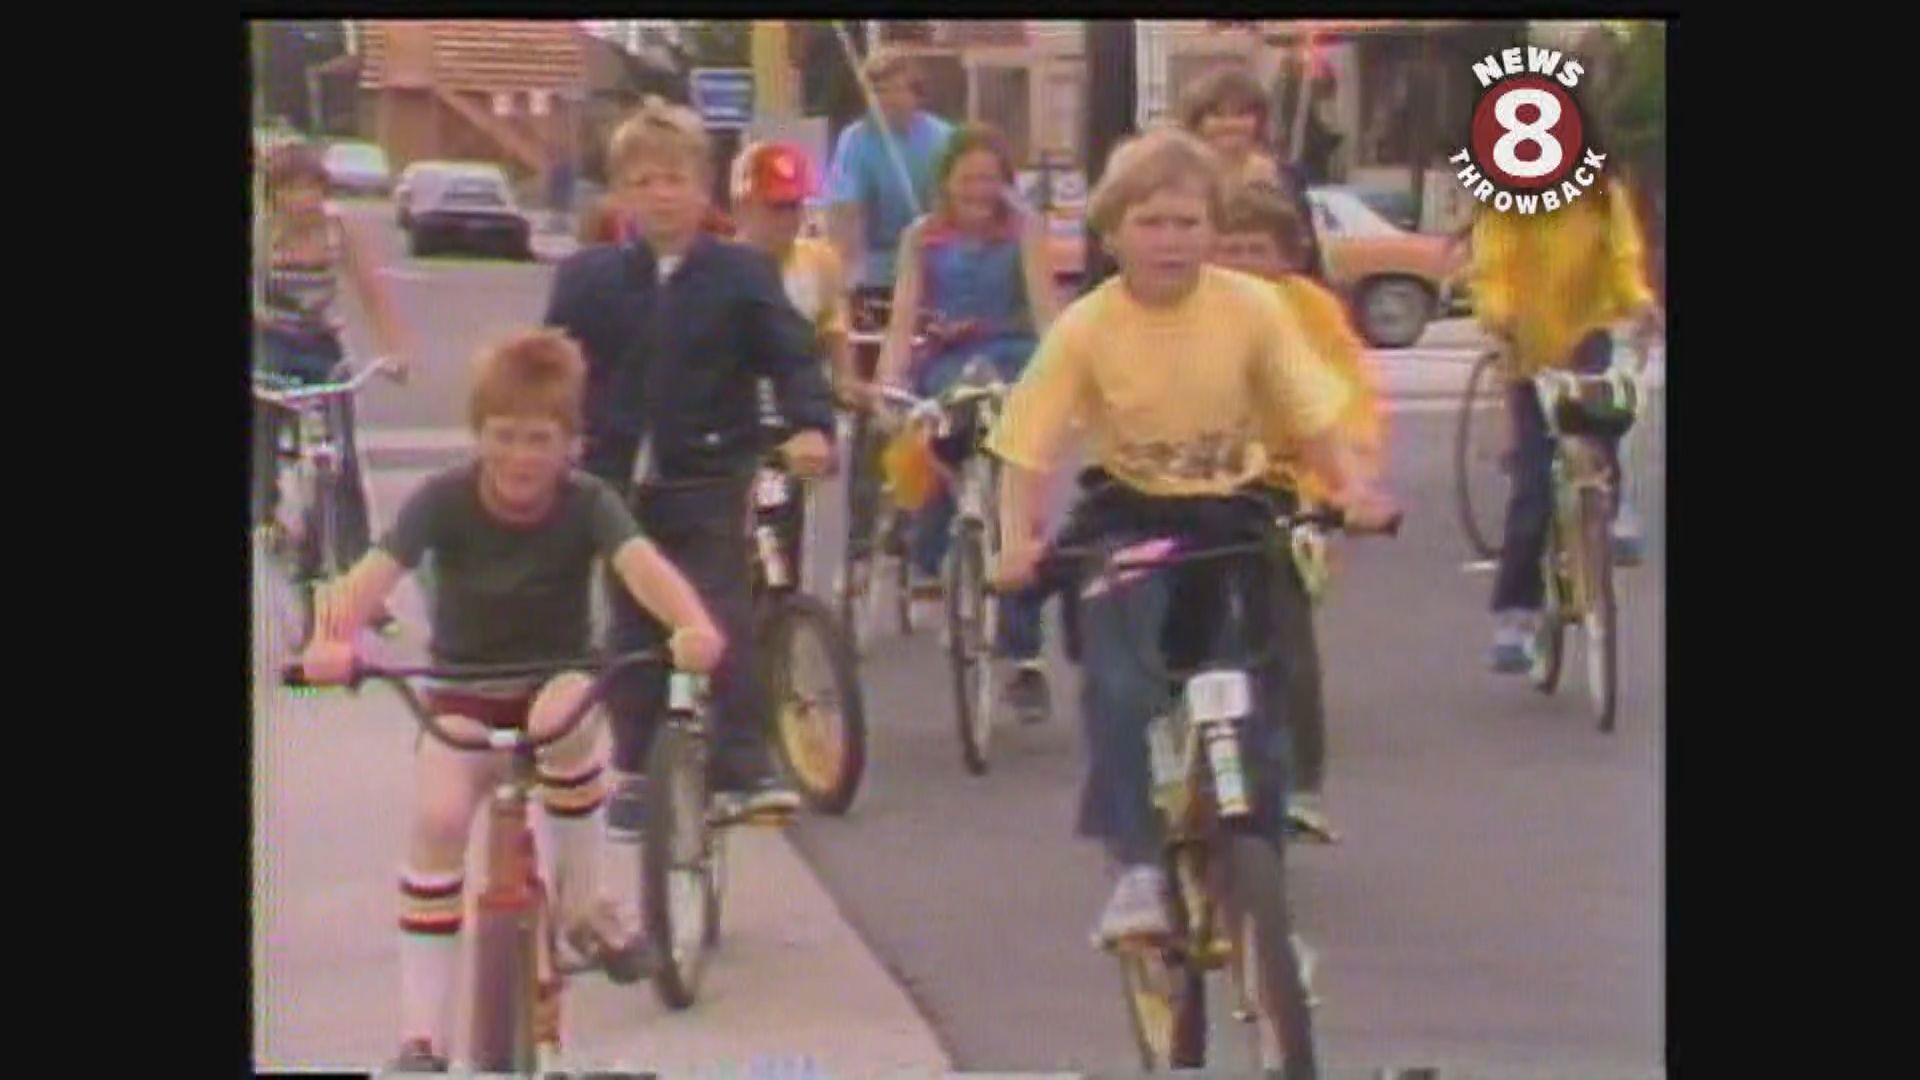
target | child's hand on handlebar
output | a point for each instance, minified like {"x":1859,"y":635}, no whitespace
{"x":327,"y":662}
{"x":1370,"y":510}
{"x":696,"y":648}
{"x":808,"y":454}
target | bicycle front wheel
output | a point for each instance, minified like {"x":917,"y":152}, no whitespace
{"x":1600,"y":622}
{"x":819,"y":718}
{"x":969,"y":617}
{"x":675,"y":862}
{"x":1549,"y":643}
{"x":1480,"y":459}
{"x":1254,"y":907}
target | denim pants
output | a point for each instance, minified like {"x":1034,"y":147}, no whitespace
{"x":1124,"y":685}
{"x":1519,"y":586}
{"x":309,"y":361}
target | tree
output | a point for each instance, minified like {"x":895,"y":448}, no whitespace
{"x":283,"y":52}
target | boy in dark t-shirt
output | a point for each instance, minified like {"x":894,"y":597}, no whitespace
{"x":515,"y":535}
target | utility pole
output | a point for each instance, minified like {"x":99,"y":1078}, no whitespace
{"x":1113,"y":99}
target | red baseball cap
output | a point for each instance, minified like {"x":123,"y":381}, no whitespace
{"x":772,"y":173}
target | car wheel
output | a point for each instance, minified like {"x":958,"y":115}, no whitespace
{"x":1394,"y":312}
{"x":417,"y":245}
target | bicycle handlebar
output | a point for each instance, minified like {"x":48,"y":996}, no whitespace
{"x":301,"y":395}
{"x":400,"y":677}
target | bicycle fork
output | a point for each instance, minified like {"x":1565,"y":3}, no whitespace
{"x":516,"y":898}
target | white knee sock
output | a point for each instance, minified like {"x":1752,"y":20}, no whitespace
{"x":429,"y":951}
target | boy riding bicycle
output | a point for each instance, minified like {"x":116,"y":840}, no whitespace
{"x":1173,"y":369}
{"x":678,"y":327}
{"x":1262,"y":236}
{"x":515,"y":535}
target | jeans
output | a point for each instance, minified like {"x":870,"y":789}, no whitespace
{"x":1519,"y":586}
{"x":309,"y":361}
{"x":1018,"y":636}
{"x":1123,"y":686}
{"x":703,"y":532}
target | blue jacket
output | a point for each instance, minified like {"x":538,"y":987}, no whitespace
{"x":680,"y":360}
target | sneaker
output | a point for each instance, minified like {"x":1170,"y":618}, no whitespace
{"x":765,"y":795}
{"x":1027,"y":692}
{"x":1307,"y":817}
{"x":1513,"y":642}
{"x":1137,"y":907}
{"x":417,"y":1056}
{"x":601,"y":939}
{"x":854,"y":580}
{"x":927,"y":602}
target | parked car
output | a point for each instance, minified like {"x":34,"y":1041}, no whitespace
{"x":423,"y":173}
{"x":466,"y":210}
{"x":1394,"y":281}
{"x":357,"y":168}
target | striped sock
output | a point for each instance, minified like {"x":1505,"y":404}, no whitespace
{"x":573,"y":805}
{"x":430,"y":917}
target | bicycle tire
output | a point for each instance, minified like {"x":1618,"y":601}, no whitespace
{"x":1166,"y":1008}
{"x":501,"y":1021}
{"x":782,"y":626}
{"x":901,"y":549}
{"x":1482,"y":536}
{"x":674,"y":848}
{"x":1601,"y":621}
{"x":1254,"y":900}
{"x":967,"y":653}
{"x":1549,"y":643}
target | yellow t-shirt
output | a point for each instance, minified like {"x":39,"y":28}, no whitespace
{"x":1549,"y":280}
{"x":1323,"y":317}
{"x":1174,"y":399}
{"x":816,"y":286}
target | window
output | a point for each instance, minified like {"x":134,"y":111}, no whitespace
{"x":1065,"y":118}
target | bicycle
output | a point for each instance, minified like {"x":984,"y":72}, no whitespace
{"x":859,"y":600}
{"x":1482,"y":457}
{"x":1581,"y":412}
{"x":518,"y":977}
{"x":1228,"y":906}
{"x":309,"y":511}
{"x":966,"y":413}
{"x":683,"y":846}
{"x":821,"y":737}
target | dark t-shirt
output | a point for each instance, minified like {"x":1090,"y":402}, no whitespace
{"x":504,"y":593}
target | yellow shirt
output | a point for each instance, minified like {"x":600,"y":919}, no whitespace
{"x":1174,"y":399}
{"x":1549,"y":280}
{"x":1323,"y":318}
{"x":816,"y":286}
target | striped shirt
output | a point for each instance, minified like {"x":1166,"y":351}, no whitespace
{"x":299,"y":293}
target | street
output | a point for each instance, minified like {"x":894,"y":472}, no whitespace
{"x":1497,"y":903}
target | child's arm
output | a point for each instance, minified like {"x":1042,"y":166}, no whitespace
{"x":659,"y":586}
{"x":343,"y":606}
{"x":897,"y":351}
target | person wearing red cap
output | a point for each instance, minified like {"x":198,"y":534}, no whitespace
{"x":771,"y":183}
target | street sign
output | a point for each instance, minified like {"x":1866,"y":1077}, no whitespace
{"x":723,"y":96}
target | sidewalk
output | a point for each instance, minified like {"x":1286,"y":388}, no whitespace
{"x":791,"y":978}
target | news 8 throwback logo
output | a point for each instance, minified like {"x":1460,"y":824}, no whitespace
{"x":1527,"y":153}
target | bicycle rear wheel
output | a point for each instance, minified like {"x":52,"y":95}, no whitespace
{"x":1480,"y":456}
{"x":1253,"y":906}
{"x":818,"y":716}
{"x":969,"y":648}
{"x":1600,"y":622}
{"x":675,"y":861}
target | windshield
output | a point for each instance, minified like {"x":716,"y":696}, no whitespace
{"x":1350,"y":216}
{"x":356,"y":156}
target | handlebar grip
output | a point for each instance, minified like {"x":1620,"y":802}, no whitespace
{"x":294,"y":676}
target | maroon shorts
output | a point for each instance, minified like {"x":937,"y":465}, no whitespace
{"x":499,"y":714}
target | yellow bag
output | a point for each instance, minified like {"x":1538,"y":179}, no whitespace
{"x":910,"y":470}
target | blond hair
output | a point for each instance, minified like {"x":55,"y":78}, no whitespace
{"x":531,"y":373}
{"x":1161,"y":158}
{"x":1259,"y":208}
{"x":659,"y":131}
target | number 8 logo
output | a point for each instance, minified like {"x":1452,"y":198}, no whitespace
{"x":1540,"y":133}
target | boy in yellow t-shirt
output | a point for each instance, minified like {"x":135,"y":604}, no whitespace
{"x":1173,"y":370}
{"x":1259,"y":236}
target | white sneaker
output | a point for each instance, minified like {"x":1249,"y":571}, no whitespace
{"x":1137,"y":907}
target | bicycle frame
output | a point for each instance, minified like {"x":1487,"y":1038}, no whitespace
{"x":1579,"y":465}
{"x":318,"y":435}
{"x":513,"y":888}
